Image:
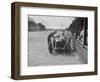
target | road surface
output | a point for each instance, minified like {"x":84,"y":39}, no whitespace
{"x":38,"y":54}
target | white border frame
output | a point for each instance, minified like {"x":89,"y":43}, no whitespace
{"x":25,"y":70}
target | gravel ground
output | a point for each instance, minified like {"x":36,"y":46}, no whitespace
{"x":38,"y":54}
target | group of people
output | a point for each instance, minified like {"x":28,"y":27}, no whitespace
{"x":65,"y":34}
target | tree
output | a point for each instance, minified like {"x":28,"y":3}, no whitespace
{"x":40,"y":26}
{"x":31,"y":24}
{"x":77,"y":26}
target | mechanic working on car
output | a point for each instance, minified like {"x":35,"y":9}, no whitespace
{"x":51,"y":35}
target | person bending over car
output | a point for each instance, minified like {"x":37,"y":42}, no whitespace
{"x":51,"y":35}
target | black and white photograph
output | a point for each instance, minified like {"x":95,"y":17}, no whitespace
{"x":57,"y":40}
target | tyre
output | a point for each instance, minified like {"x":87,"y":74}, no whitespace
{"x":50,"y":48}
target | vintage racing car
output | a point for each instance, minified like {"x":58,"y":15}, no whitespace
{"x":57,"y":44}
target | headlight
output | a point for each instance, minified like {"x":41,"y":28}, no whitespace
{"x":57,"y":40}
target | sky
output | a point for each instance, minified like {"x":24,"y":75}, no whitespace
{"x":53,"y":22}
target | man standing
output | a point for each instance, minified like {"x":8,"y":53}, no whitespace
{"x":68,"y":37}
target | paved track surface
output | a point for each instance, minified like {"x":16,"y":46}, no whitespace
{"x":38,"y":54}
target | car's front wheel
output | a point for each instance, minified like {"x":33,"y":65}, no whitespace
{"x":50,"y":48}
